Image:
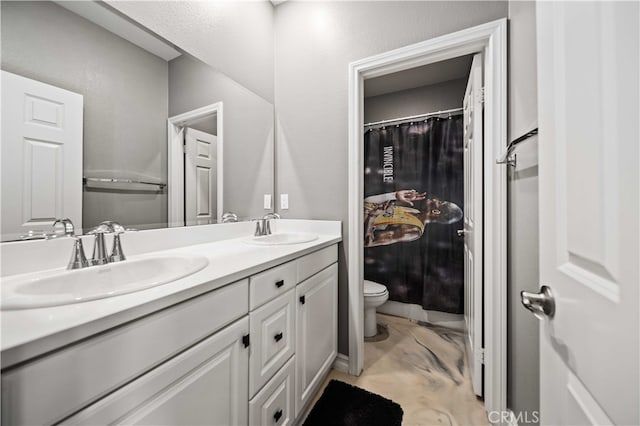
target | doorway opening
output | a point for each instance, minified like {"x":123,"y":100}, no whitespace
{"x":195,"y":166}
{"x":488,"y":41}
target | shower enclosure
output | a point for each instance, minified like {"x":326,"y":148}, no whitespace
{"x":414,"y":191}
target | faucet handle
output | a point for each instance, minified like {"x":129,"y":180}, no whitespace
{"x":78,"y":258}
{"x":259,"y":228}
{"x":117,"y":255}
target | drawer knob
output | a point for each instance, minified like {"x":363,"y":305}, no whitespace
{"x":279,"y":283}
{"x":278,"y":337}
{"x":277,"y":415}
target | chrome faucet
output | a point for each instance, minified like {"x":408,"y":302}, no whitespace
{"x":78,"y":259}
{"x":263,"y":226}
{"x":100,"y":256}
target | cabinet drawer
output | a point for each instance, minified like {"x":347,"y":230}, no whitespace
{"x":273,"y":405}
{"x":52,"y":387}
{"x":315,"y":262}
{"x":271,"y":283}
{"x":206,"y":384}
{"x":272,"y":329}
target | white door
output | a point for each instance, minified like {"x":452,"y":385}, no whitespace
{"x":200,"y":177}
{"x":588,"y":95}
{"x":472,"y":134}
{"x":316,"y":332}
{"x":41,"y":156}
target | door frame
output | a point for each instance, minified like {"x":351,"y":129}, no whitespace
{"x":490,"y":39}
{"x":175,"y":161}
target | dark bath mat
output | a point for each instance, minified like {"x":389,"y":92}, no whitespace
{"x":344,"y":405}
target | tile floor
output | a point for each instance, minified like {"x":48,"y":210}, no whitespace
{"x":422,"y":368}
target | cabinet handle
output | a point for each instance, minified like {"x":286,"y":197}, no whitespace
{"x":278,"y":337}
{"x":277,"y":415}
{"x":303,"y":300}
{"x":279,"y":283}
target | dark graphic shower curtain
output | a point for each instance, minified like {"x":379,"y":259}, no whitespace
{"x":414,"y":249}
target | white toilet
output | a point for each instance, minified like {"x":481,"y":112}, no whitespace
{"x":374,"y":295}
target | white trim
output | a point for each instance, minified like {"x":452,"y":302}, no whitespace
{"x":341,"y":363}
{"x":175,"y":161}
{"x":491,"y":39}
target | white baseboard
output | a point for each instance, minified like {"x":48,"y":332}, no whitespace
{"x":341,"y":363}
{"x":416,"y":313}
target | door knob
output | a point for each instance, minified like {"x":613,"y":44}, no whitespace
{"x":541,"y":304}
{"x":461,"y":232}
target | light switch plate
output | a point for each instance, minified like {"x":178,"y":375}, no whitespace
{"x":284,"y":201}
{"x":267,"y":201}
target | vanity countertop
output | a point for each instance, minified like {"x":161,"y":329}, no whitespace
{"x":32,"y":332}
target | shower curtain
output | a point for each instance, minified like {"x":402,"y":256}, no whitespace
{"x":413,"y":198}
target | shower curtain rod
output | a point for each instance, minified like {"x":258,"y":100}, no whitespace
{"x":412,"y":117}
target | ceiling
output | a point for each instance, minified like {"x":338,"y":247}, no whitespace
{"x":439,"y":72}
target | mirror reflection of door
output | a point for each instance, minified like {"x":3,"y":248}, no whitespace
{"x":200,"y":177}
{"x":41,"y":156}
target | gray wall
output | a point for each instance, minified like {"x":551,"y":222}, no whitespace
{"x":125,"y":100}
{"x":420,"y":100}
{"x":234,"y":37}
{"x":523,"y":393}
{"x":315,"y":41}
{"x":247,"y":131}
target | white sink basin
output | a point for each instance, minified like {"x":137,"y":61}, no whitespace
{"x":53,"y":288}
{"x":282,"y":238}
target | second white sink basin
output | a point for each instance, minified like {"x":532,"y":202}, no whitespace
{"x":282,"y":238}
{"x":53,"y":288}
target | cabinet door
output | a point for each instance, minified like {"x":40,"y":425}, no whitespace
{"x":205,"y":385}
{"x":316,"y":332}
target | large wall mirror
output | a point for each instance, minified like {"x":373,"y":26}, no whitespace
{"x":103,"y":120}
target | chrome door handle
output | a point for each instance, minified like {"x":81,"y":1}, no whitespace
{"x":542,"y":304}
{"x":461,"y":232}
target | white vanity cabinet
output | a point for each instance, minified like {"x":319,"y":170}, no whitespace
{"x":50,"y":388}
{"x":294,"y":336}
{"x":250,"y":352}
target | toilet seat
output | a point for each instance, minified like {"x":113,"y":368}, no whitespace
{"x":374,"y":289}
